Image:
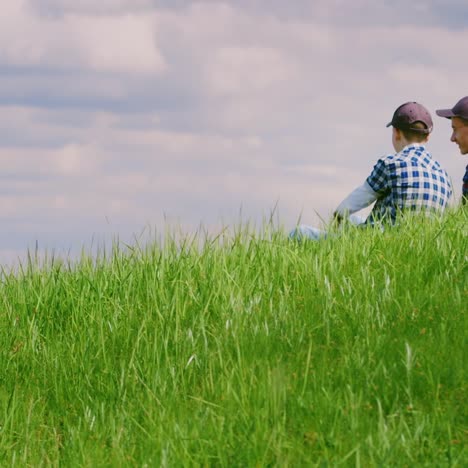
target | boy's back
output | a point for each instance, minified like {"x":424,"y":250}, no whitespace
{"x":409,"y":180}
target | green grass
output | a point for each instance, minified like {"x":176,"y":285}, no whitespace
{"x":241,"y":350}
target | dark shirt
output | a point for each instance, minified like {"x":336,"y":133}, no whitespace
{"x":465,"y":188}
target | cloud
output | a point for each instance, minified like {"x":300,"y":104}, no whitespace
{"x":87,"y":7}
{"x":338,"y":12}
{"x":240,"y":70}
{"x":106,"y":44}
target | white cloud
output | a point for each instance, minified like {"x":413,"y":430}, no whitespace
{"x":72,"y":160}
{"x":104,"y":43}
{"x":241,"y":70}
{"x":124,"y":44}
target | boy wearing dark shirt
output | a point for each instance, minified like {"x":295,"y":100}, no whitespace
{"x":458,"y":114}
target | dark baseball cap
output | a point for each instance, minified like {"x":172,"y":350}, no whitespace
{"x":408,"y":114}
{"x":460,"y":109}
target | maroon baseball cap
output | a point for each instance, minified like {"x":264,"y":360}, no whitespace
{"x":460,"y":109}
{"x":408,"y":114}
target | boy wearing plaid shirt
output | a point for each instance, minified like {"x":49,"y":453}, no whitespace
{"x":409,"y":180}
{"x":459,"y":117}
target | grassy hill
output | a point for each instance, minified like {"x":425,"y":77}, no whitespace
{"x":242,"y":350}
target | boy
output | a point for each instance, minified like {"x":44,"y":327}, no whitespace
{"x":459,"y":117}
{"x":407,"y":180}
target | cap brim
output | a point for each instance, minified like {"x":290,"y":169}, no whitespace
{"x":447,"y":113}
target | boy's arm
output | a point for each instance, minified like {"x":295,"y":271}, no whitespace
{"x":373,"y":188}
{"x":357,"y":200}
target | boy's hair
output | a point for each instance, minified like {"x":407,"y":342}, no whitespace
{"x":416,"y":137}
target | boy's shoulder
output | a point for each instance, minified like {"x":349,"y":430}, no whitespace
{"x":408,"y":153}
{"x":395,"y":158}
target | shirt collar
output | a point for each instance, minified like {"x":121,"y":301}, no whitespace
{"x":414,"y":146}
{"x":415,"y":149}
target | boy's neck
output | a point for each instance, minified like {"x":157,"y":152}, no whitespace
{"x":403,"y":143}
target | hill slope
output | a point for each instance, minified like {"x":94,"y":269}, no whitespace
{"x":245,"y":350}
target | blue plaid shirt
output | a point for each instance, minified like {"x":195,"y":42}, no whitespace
{"x":408,"y":180}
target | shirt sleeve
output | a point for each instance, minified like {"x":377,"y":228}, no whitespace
{"x":378,"y":180}
{"x":357,"y":200}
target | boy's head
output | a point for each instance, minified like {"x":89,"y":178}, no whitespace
{"x":458,"y":114}
{"x":412,"y":123}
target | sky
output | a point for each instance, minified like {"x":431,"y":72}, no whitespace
{"x":123,"y":117}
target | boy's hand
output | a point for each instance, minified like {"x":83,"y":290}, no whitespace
{"x":337,"y":218}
